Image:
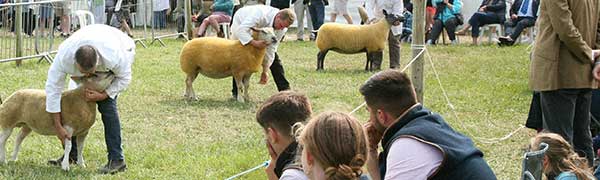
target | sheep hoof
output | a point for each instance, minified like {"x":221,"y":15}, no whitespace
{"x":240,"y":99}
{"x":191,"y":98}
{"x":82,"y":164}
{"x":65,"y":168}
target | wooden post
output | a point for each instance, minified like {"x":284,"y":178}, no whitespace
{"x":18,"y":31}
{"x":418,"y":42}
{"x":188,"y":19}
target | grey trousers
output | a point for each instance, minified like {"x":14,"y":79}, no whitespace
{"x":567,"y":112}
{"x":394,"y":45}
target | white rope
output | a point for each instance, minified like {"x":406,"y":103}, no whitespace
{"x":264,"y":164}
{"x":453,"y":109}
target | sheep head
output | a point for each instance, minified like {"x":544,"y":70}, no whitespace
{"x":393,"y":19}
{"x":266,"y":34}
{"x":98,"y":81}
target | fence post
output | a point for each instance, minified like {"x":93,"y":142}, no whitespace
{"x":188,"y":19}
{"x":418,"y":42}
{"x":18,"y":31}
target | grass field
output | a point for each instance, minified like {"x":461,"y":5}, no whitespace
{"x":165,"y":137}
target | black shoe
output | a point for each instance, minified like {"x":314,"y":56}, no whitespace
{"x":113,"y":166}
{"x":57,"y":162}
{"x":505,"y":41}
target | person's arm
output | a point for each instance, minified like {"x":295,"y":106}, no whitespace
{"x":457,"y":6}
{"x":500,"y":5}
{"x":54,"y":86}
{"x":409,"y":158}
{"x":398,"y":7}
{"x":514,"y":8}
{"x":244,"y":31}
{"x":373,"y":139}
{"x":562,"y":23}
{"x":122,"y":75}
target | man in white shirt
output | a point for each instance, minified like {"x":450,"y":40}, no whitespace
{"x":417,"y":143}
{"x":262,"y":16}
{"x":375,"y":12}
{"x":94,"y":48}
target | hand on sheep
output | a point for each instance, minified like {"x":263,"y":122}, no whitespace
{"x":95,"y":96}
{"x":62,"y":134}
{"x":264,"y":77}
{"x":261,"y":44}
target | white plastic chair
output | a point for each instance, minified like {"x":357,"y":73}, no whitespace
{"x":225,"y":27}
{"x":85,"y":17}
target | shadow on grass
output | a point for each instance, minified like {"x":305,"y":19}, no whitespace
{"x":24,"y":169}
{"x":209,"y":103}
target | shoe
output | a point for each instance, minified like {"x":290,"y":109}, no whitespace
{"x":113,"y":166}
{"x":505,"y":41}
{"x":57,"y":162}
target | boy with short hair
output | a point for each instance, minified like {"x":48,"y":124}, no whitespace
{"x":277,"y":115}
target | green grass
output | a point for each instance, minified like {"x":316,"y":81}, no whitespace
{"x":165,"y":137}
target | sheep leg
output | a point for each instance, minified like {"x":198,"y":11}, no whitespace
{"x":189,"y":89}
{"x":246,"y":82}
{"x":369,"y":60}
{"x":80,"y":140}
{"x":376,"y":61}
{"x":321,"y":59}
{"x":3,"y":137}
{"x":24,"y":132}
{"x":240,"y":87}
{"x":65,"y":162}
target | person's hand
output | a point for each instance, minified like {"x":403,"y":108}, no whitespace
{"x":446,"y":2}
{"x":482,"y":9}
{"x":373,"y":136}
{"x":264,"y":78}
{"x":194,"y":18}
{"x":94,"y":96}
{"x":596,"y":72}
{"x":62,"y":134}
{"x":513,"y":16}
{"x":261,"y":44}
{"x":595,"y":54}
{"x":270,"y":170}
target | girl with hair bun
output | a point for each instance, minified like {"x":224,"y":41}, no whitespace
{"x":334,"y":147}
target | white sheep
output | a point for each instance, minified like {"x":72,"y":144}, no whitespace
{"x":27,"y":109}
{"x":220,"y":58}
{"x":352,"y":39}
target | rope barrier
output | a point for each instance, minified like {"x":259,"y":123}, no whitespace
{"x":264,"y":164}
{"x":453,"y":109}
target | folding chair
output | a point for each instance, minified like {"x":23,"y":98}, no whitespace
{"x":532,"y":163}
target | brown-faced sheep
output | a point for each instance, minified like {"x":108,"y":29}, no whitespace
{"x":352,"y":39}
{"x":219,"y":58}
{"x":27,"y":109}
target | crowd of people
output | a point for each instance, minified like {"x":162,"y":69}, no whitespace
{"x":416,"y":142}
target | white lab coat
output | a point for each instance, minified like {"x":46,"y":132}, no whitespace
{"x":257,"y":16}
{"x":116,"y":51}
{"x":375,"y":10}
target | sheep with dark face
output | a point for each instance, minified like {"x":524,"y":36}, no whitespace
{"x":352,"y":39}
{"x":27,"y":109}
{"x":220,"y":58}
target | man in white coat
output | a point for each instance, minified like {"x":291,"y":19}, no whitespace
{"x":375,"y":12}
{"x":262,"y":16}
{"x":92,"y":49}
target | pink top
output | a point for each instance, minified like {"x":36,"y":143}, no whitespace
{"x":412,"y":159}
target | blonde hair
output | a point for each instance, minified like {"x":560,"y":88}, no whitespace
{"x":561,"y":157}
{"x":337,"y":142}
{"x":288,"y":15}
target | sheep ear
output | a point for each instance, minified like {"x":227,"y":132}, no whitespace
{"x":254,"y":29}
{"x":385,"y":12}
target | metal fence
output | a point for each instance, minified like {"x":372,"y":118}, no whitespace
{"x":32,"y":29}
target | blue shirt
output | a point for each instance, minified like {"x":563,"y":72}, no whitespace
{"x":529,"y":9}
{"x":448,"y":13}
{"x":566,"y":176}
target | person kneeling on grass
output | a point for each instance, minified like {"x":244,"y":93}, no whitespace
{"x":334,"y":147}
{"x":277,"y":115}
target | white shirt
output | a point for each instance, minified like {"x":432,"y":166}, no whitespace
{"x":257,"y":16}
{"x":375,"y":10}
{"x":116,"y":51}
{"x":160,"y":5}
{"x":293,"y":174}
{"x":412,"y":159}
